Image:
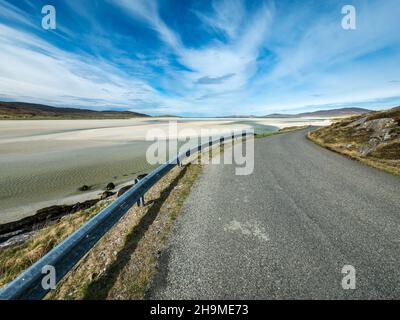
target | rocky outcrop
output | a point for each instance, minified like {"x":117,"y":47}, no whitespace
{"x":357,"y":123}
{"x":368,"y":147}
{"x":381,"y":131}
{"x":16,"y":239}
{"x":378,"y":124}
{"x":41,"y":218}
{"x":106,"y":194}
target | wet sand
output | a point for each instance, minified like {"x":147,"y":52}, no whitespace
{"x":44,"y":162}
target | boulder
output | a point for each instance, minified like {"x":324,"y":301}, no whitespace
{"x":383,"y":134}
{"x":106,"y":194}
{"x":17,"y":239}
{"x":110,"y":186}
{"x":123,"y":190}
{"x":141,"y":176}
{"x":368,"y":147}
{"x":356,"y":123}
{"x":378,"y":124}
{"x":84,"y":188}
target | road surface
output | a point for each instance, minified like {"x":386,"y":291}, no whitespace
{"x":287,"y":230}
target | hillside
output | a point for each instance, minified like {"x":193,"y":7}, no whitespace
{"x":372,"y":138}
{"x":322,"y":113}
{"x":26,"y":111}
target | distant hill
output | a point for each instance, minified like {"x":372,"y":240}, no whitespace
{"x":322,"y":113}
{"x":167,"y":116}
{"x":238,"y":116}
{"x":22,"y":110}
{"x":279,"y":115}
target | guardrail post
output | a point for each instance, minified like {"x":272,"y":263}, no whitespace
{"x":179,"y":161}
{"x":140,"y":202}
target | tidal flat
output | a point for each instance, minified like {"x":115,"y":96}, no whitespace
{"x":44,"y":162}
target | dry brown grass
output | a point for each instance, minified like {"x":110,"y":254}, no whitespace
{"x":15,"y":259}
{"x":293,"y":128}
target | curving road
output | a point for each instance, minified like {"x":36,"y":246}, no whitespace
{"x":286,"y":231}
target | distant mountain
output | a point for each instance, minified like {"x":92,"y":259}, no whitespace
{"x":279,"y":115}
{"x":22,"y":110}
{"x":322,"y":113}
{"x":238,"y":116}
{"x":167,"y":116}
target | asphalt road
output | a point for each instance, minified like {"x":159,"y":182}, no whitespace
{"x":287,"y":230}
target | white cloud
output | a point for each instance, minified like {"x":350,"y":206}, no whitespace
{"x":31,"y":67}
{"x":227,"y":17}
{"x":312,"y":60}
{"x":237,"y":57}
{"x":148,"y":12}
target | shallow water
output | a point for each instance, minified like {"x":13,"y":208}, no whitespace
{"x":49,"y":175}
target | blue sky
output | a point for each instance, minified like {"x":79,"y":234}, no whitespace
{"x":199,"y":57}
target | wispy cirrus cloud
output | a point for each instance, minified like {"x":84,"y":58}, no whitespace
{"x":237,"y":56}
{"x":227,"y":17}
{"x":36,"y":69}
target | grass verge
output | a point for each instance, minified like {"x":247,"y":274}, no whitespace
{"x":343,"y":140}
